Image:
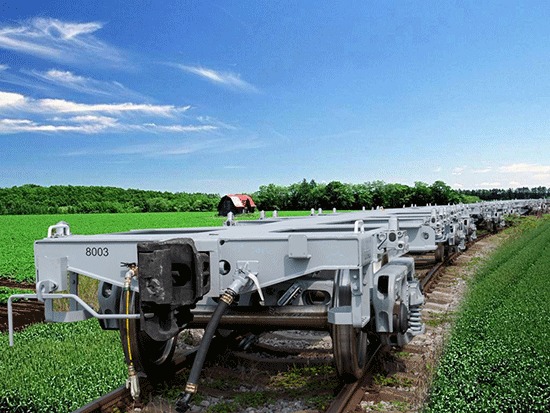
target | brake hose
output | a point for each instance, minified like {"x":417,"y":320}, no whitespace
{"x":240,"y":280}
{"x":182,"y":405}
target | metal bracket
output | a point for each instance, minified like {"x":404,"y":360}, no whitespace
{"x":294,"y":291}
{"x":61,"y":225}
{"x":249,"y":269}
{"x":297,"y":247}
{"x":53,"y":270}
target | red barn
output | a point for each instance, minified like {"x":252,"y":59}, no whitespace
{"x":238,"y":204}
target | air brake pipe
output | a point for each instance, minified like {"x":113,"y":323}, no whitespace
{"x":310,"y":317}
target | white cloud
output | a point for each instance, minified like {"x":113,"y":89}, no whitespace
{"x":59,"y":29}
{"x":214,"y":121}
{"x":489,"y":184}
{"x":457,"y":185}
{"x":231,"y":80}
{"x":63,"y":77}
{"x":16,"y":122}
{"x":92,"y":124}
{"x":58,"y":115}
{"x":457,"y":171}
{"x":83,"y":84}
{"x":23,"y":103}
{"x":4,"y":67}
{"x":181,"y":128}
{"x":25,"y":125}
{"x":59,"y":41}
{"x":91,"y":119}
{"x":514,"y":183}
{"x":524,"y":167}
{"x":481,"y":171}
{"x":6,"y":76}
{"x":12,"y":100}
{"x":65,"y":106}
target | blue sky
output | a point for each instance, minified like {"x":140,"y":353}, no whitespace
{"x":225,"y":96}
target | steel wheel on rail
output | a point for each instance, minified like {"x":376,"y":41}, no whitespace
{"x":145,"y":354}
{"x":349,"y":344}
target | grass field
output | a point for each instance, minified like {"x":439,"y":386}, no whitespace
{"x":59,"y":367}
{"x":20,"y":231}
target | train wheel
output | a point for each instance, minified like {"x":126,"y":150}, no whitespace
{"x":149,"y":356}
{"x":349,"y":344}
{"x":350,"y":351}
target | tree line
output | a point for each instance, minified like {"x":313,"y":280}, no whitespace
{"x":304,"y":195}
{"x":506,"y":194}
{"x":35,"y":199}
{"x":343,"y":196}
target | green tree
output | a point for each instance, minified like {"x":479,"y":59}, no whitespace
{"x":397,"y":195}
{"x":443,"y":194}
{"x":271,"y":197}
{"x":362,"y":196}
{"x":421,"y":194}
{"x":302,"y":195}
{"x":378,"y":191}
{"x":339,"y":196}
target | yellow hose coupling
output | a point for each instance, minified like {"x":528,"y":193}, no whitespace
{"x":132,"y":382}
{"x":191,"y":387}
{"x":227,"y":298}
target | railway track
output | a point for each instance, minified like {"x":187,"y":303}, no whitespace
{"x":120,"y":399}
{"x":349,"y":396}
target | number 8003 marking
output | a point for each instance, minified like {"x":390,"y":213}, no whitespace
{"x":97,"y":252}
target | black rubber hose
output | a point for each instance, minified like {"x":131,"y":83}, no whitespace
{"x":182,"y":405}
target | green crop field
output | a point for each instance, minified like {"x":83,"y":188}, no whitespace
{"x":498,"y":357}
{"x":5,"y":293}
{"x":57,"y":368}
{"x":20,"y":231}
